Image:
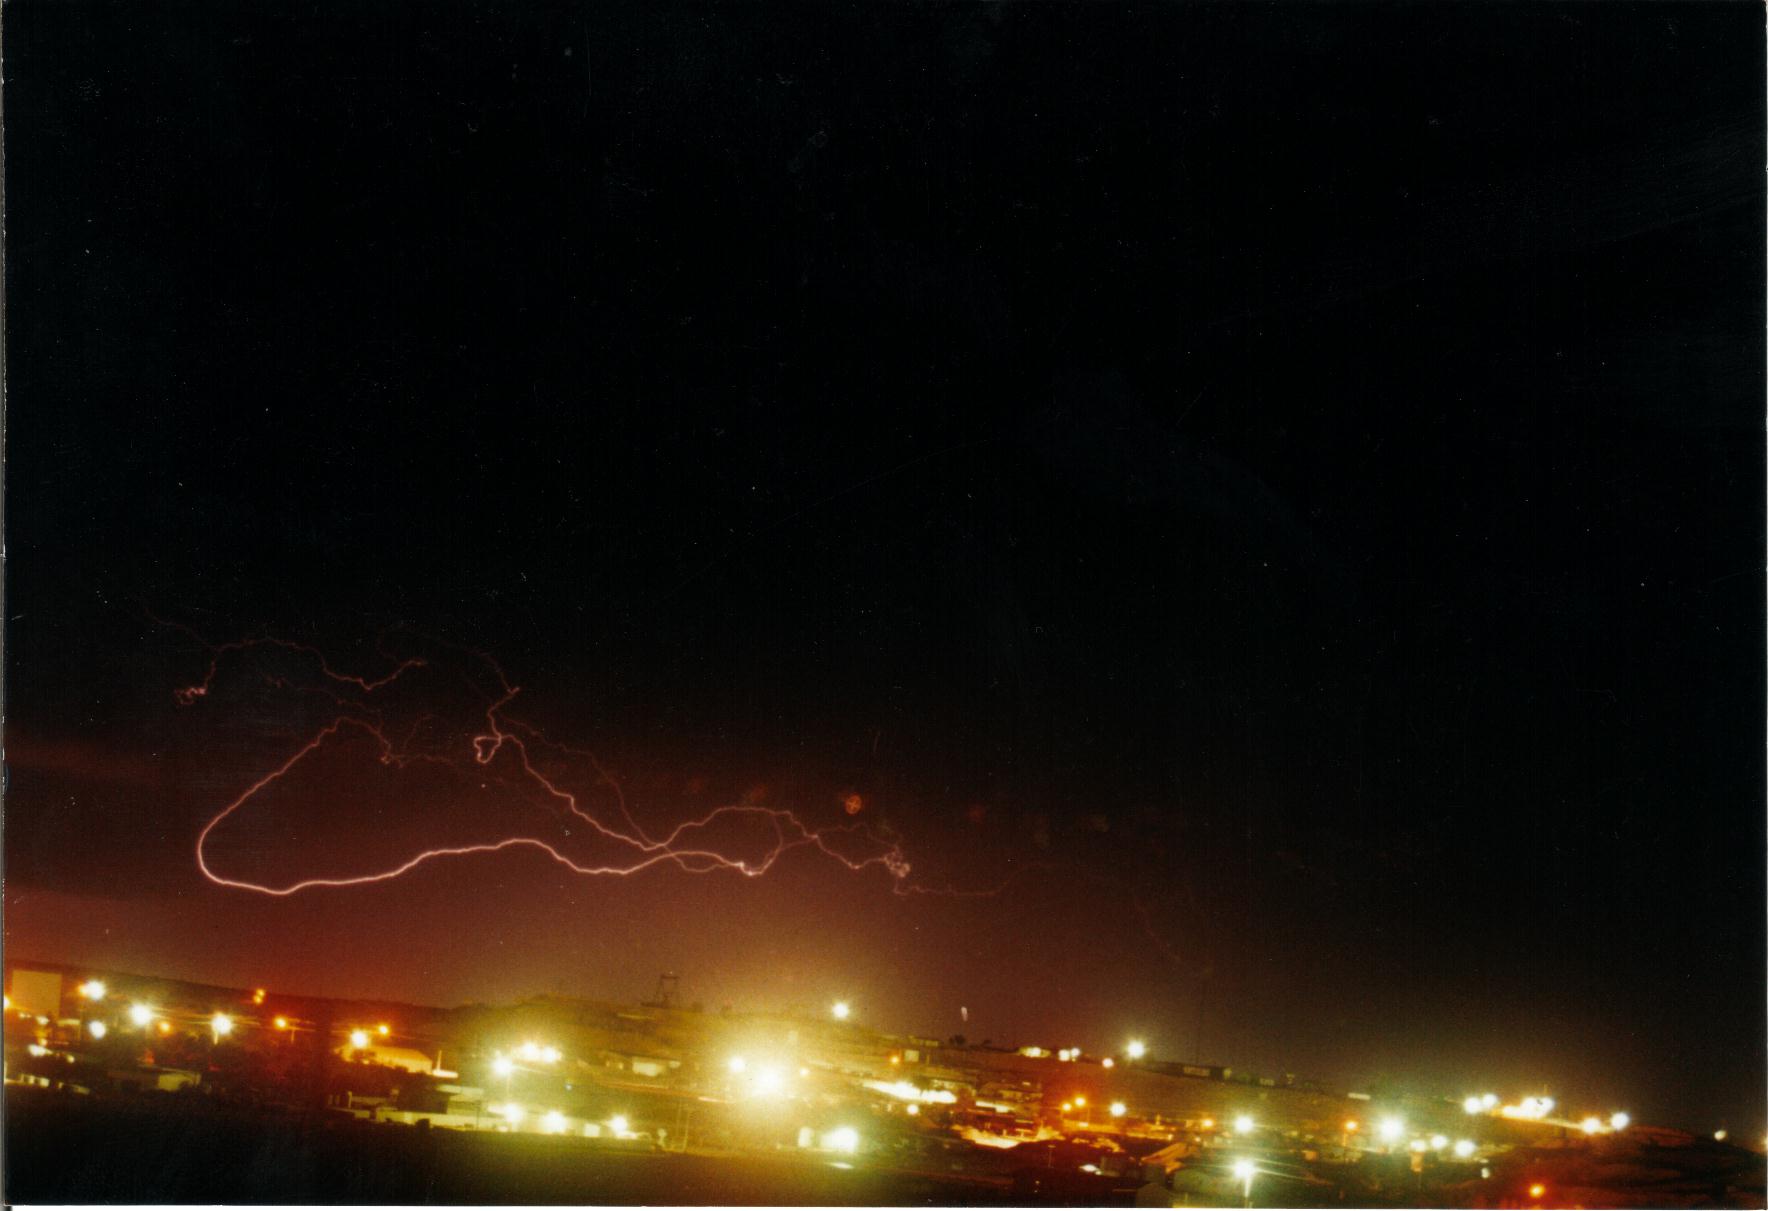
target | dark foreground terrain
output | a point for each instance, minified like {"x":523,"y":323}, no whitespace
{"x":62,"y":1148}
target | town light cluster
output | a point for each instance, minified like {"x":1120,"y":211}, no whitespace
{"x":769,"y":1080}
{"x":904,"y":1091}
{"x":1528,"y":1108}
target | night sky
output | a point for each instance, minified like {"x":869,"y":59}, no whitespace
{"x":1272,"y":494}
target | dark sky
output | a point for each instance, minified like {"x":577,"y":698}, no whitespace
{"x":1277,"y":491}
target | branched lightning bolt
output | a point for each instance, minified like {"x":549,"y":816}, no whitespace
{"x":355,"y":699}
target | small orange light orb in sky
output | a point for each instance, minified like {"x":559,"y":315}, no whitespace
{"x":854,"y":804}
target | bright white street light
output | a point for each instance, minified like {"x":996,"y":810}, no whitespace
{"x":503,"y":1065}
{"x":359,"y":1039}
{"x":98,"y":1029}
{"x":553,"y":1122}
{"x":1391,"y":1129}
{"x":141,"y":1015}
{"x":222,"y":1025}
{"x":1488,"y":1100}
{"x":1463,"y":1148}
{"x":1244,"y":1170}
{"x":1136,"y":1049}
{"x":844,"y":1139}
{"x":1439,"y":1142}
{"x":93,"y":990}
{"x":1619,"y":1120}
{"x":1473,"y":1105}
{"x":1118,"y":1109}
{"x":1591,"y":1124}
{"x":1243,"y":1123}
{"x":618,"y":1125}
{"x":842,"y":1010}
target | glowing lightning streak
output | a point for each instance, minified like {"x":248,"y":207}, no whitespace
{"x":789,"y":831}
{"x":189,"y":694}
